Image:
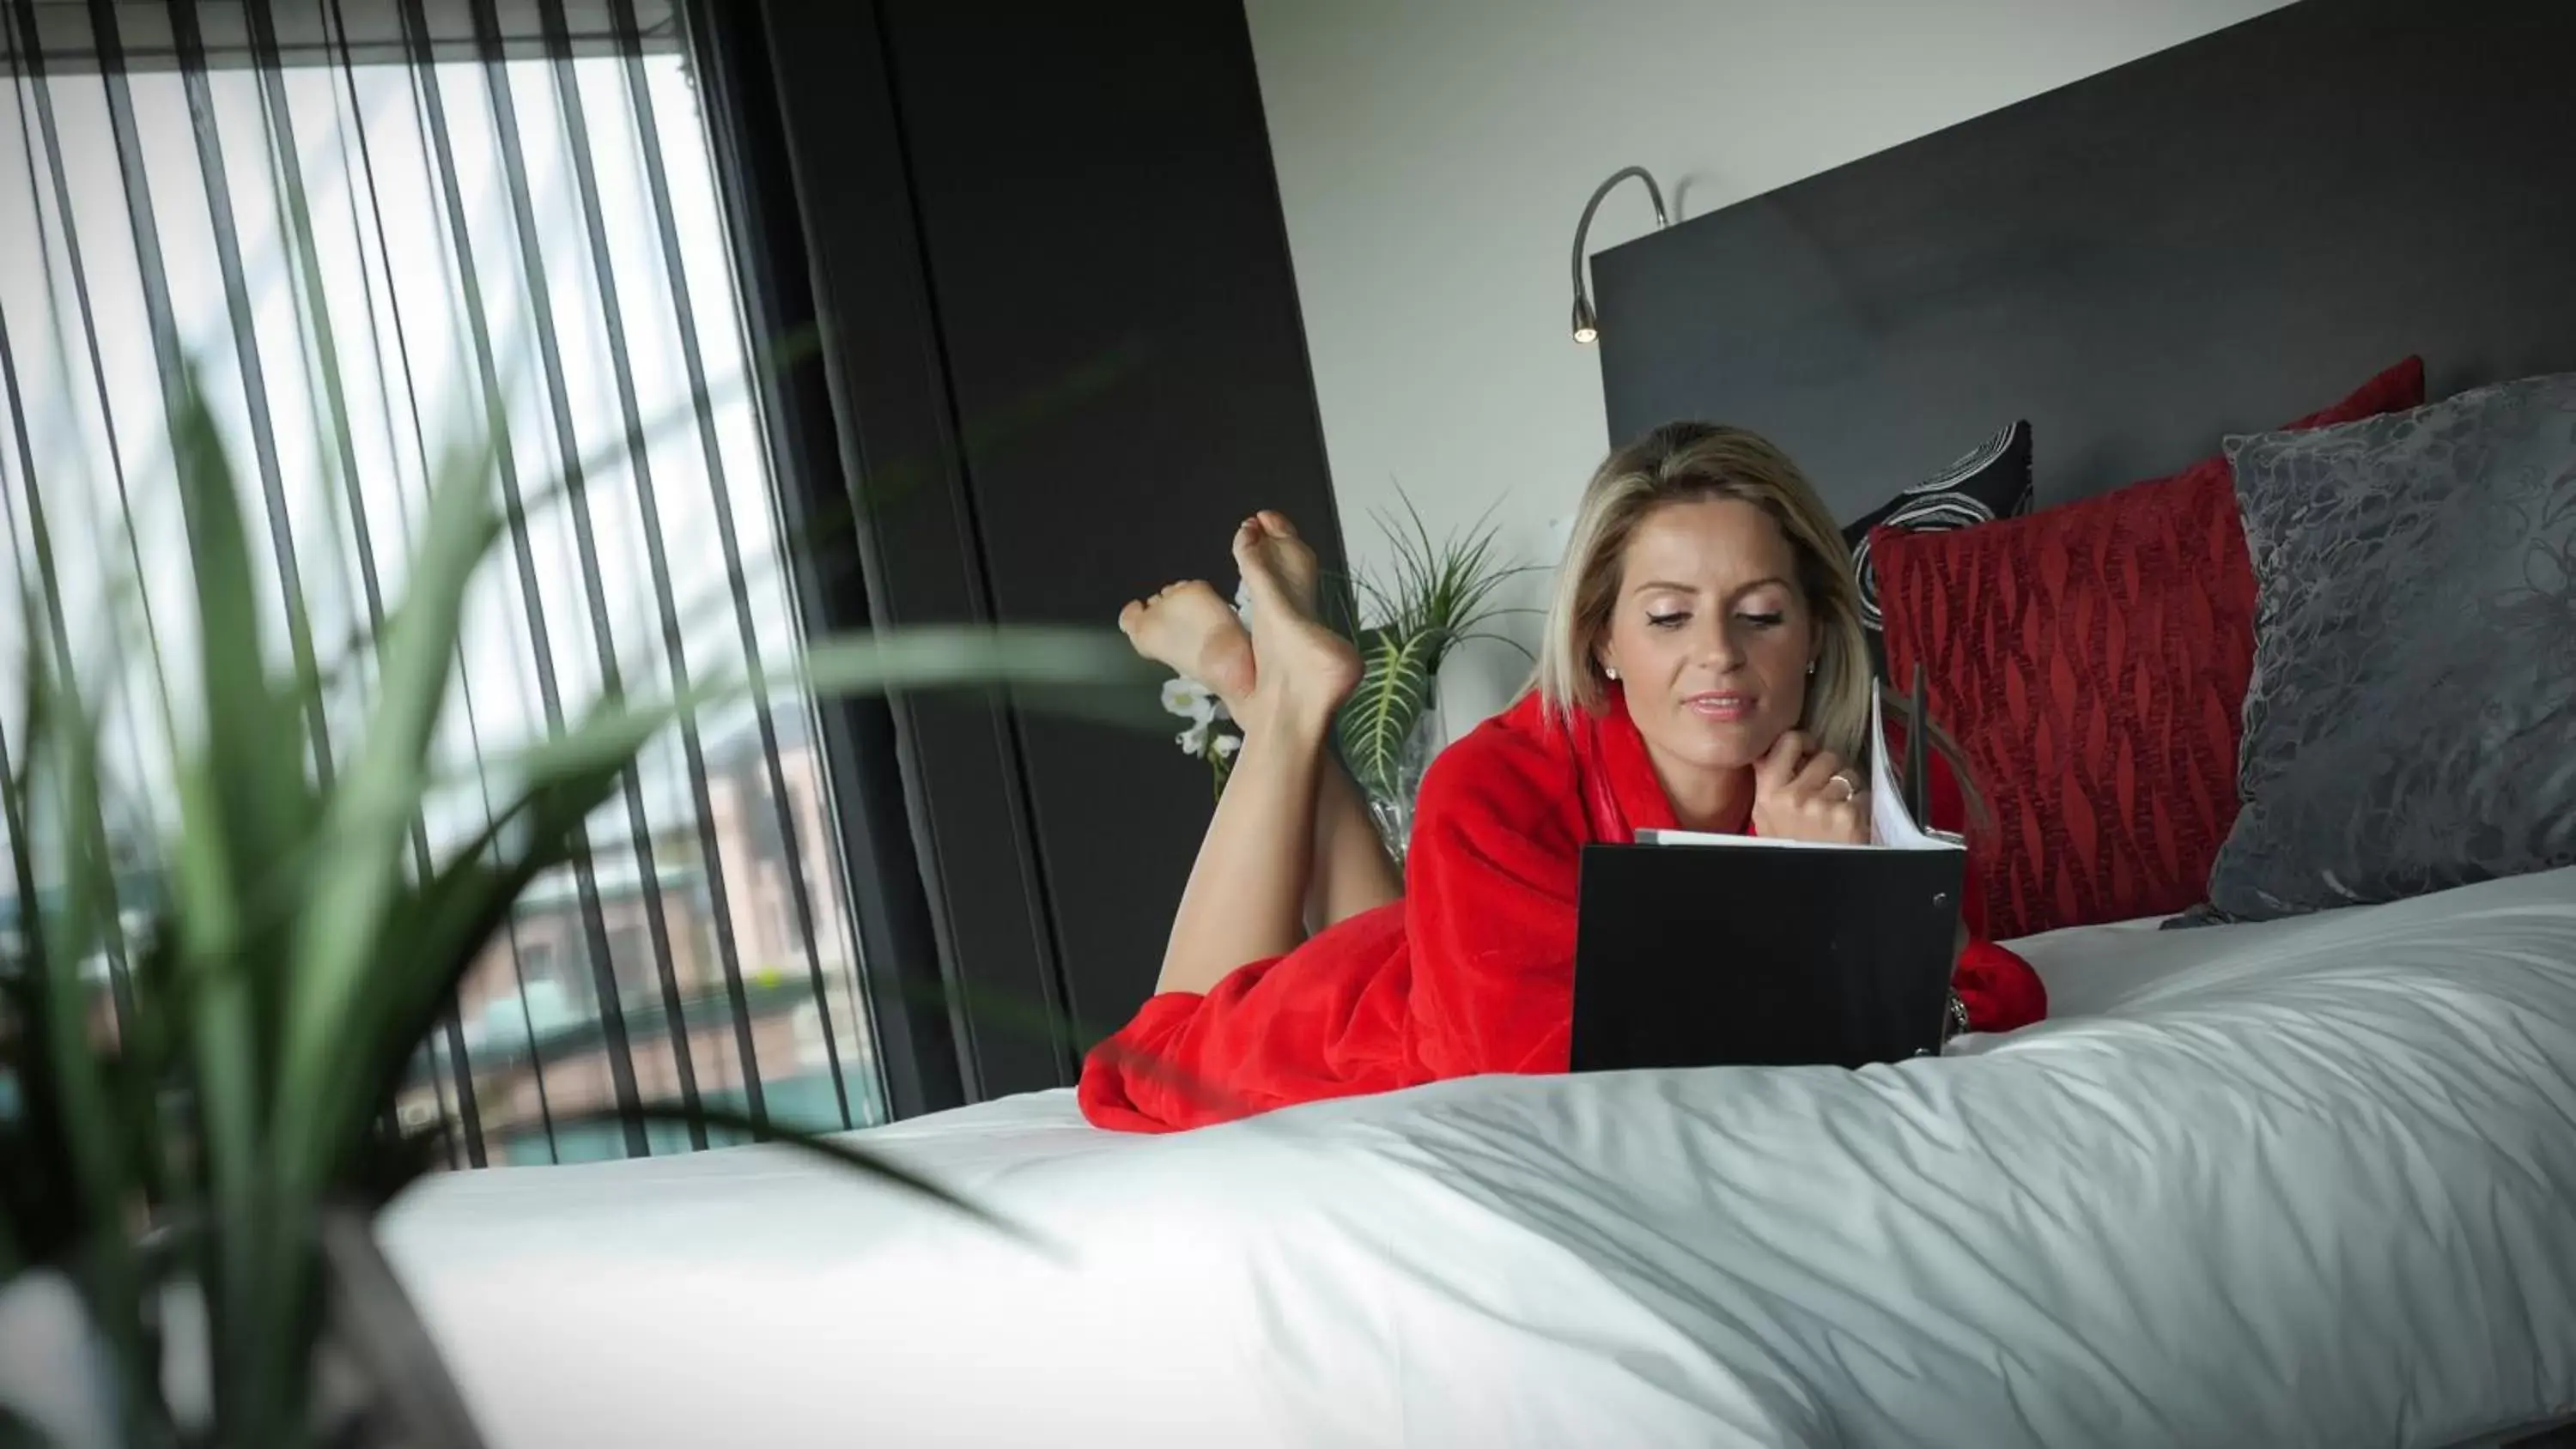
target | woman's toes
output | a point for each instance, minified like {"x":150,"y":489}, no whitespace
{"x":1188,"y":628}
{"x":1290,"y":562}
{"x":1259,"y":562}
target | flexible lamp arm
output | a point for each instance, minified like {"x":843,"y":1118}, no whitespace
{"x":1586,"y":325}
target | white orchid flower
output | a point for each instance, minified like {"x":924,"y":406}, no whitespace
{"x":1226,"y":745}
{"x":1194,"y":740}
{"x":1189,"y":699}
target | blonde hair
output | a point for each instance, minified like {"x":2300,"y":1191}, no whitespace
{"x":1690,"y":462}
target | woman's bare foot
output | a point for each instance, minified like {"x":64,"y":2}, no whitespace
{"x":1192,"y":630}
{"x":1296,"y":563}
{"x":1305,"y":670}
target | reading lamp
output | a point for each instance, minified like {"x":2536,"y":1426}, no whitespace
{"x":1586,"y":326}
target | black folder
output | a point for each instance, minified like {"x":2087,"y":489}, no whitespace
{"x":1697,"y":951}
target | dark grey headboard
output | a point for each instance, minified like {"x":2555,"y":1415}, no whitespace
{"x":2220,"y":236}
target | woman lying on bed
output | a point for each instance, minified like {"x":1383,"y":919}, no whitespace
{"x":1704,"y":668}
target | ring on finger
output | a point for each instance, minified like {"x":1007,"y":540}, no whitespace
{"x":1851,"y":787}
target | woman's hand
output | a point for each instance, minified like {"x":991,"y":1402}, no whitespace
{"x":1804,"y":793}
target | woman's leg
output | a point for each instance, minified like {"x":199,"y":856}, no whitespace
{"x":1350,"y":872}
{"x":1247,"y":892}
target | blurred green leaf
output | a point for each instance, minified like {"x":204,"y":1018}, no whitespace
{"x":38,"y":1201}
{"x":18,"y":1433}
{"x":357,"y":876}
{"x":914,"y":659}
{"x":63,"y":934}
{"x":255,"y":733}
{"x":246,"y":800}
{"x":444,"y":924}
{"x":63,"y":1076}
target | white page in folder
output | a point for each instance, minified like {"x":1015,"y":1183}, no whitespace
{"x":1891,"y":826}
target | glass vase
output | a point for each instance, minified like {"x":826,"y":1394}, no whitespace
{"x":1392,"y":810}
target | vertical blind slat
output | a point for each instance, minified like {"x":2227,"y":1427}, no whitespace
{"x":13,"y":817}
{"x":49,"y":583}
{"x":336,"y":27}
{"x":621,"y":1059}
{"x":313,"y":313}
{"x":657,"y":561}
{"x":693,"y":359}
{"x":254,"y":379}
{"x":168,"y":359}
{"x":577,"y":506}
{"x":36,"y":93}
{"x":39,"y":89}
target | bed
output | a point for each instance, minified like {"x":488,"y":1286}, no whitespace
{"x":2310,"y":1182}
{"x":2302,"y":1182}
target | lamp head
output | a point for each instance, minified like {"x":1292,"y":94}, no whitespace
{"x":1587,"y":325}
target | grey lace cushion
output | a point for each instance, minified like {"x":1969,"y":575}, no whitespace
{"x":2411,"y":724}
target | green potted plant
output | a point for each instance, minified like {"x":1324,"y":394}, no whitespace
{"x":1433,"y":597}
{"x":187,"y":1178}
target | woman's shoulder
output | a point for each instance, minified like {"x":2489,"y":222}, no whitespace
{"x":1522,"y":752}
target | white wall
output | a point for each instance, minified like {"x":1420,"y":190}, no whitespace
{"x":1433,"y":156}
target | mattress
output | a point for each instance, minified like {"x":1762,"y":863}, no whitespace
{"x":2309,"y":1182}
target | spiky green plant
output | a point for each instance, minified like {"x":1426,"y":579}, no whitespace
{"x":226,"y":1137}
{"x":1434,"y":596}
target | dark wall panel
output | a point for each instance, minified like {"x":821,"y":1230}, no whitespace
{"x":1111,"y":278}
{"x":754,"y":108}
{"x":880,"y":449}
{"x":1060,"y":357}
{"x":2221,"y":236}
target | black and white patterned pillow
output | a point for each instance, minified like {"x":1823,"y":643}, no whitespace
{"x":1990,"y":481}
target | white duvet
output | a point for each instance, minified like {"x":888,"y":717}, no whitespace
{"x":2307,"y":1183}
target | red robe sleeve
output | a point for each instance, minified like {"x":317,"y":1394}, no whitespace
{"x":1492,"y":882}
{"x":1998,"y":988}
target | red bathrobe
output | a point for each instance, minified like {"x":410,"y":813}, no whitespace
{"x":1473,"y":970}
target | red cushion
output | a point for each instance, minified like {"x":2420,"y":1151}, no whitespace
{"x":2092,"y":659}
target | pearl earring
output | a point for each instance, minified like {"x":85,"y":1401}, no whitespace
{"x":1811,"y":667}
{"x":1613,"y":673}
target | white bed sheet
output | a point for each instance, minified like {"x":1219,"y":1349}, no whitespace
{"x":2310,"y":1182}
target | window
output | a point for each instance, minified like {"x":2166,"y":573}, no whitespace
{"x":361,"y":217}
{"x":537,"y":962}
{"x":782,"y":923}
{"x":630,"y":959}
